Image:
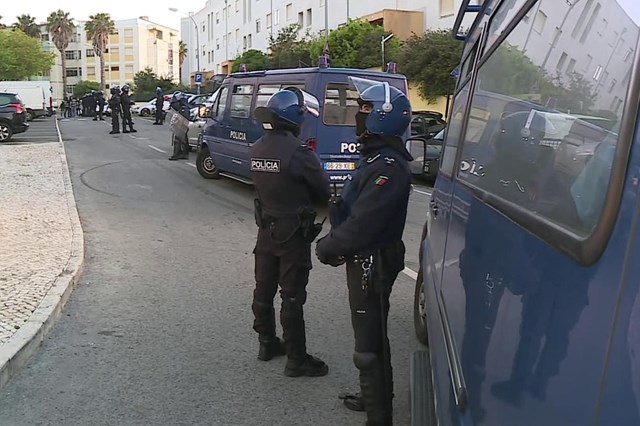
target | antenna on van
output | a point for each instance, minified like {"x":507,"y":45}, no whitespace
{"x":243,"y":67}
{"x":391,"y":67}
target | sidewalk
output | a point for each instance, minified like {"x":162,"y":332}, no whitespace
{"x":41,"y":247}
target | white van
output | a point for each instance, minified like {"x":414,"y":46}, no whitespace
{"x":36,"y":100}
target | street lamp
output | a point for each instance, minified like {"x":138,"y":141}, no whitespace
{"x":195,"y":24}
{"x":384,"y":40}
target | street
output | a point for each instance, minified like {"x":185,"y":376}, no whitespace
{"x":159,"y":329}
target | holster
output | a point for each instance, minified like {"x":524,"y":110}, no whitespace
{"x":388,"y":262}
{"x":308,"y":226}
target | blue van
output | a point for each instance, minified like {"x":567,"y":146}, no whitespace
{"x":527,"y":295}
{"x":223,"y":145}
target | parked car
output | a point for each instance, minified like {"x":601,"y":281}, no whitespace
{"x":13,"y":116}
{"x":149,"y":108}
{"x":426,"y":124}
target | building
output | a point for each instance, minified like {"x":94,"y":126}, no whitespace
{"x":224,"y":29}
{"x":137,"y":44}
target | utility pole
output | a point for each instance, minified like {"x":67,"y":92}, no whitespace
{"x":326,"y":20}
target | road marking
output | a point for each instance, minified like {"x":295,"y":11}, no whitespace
{"x":157,"y":149}
{"x":421,"y":192}
{"x":410,"y":273}
{"x":192,"y":165}
{"x":140,"y":139}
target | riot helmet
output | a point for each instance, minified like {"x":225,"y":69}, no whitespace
{"x":389,"y":109}
{"x":126,"y":88}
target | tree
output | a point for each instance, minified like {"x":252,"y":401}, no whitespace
{"x":85,"y":86}
{"x":28,"y":25}
{"x":357,"y":45}
{"x":182,"y":53}
{"x":98,"y":29}
{"x":288,"y":49}
{"x":145,"y":80}
{"x":1,"y":24}
{"x":254,"y":59}
{"x":428,"y":60}
{"x":22,"y":56}
{"x":60,"y":26}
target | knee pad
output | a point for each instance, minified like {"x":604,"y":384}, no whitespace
{"x":294,"y":303}
{"x":365,"y":360}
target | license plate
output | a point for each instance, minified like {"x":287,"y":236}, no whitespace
{"x":339,"y":166}
{"x":426,"y":167}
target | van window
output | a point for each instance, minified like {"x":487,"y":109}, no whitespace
{"x":241,"y":101}
{"x":5,"y":99}
{"x":221,"y":103}
{"x":340,"y":104}
{"x":526,"y":144}
{"x":265,"y":91}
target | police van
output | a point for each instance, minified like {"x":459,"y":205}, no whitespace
{"x":231,"y":129}
{"x":527,"y":297}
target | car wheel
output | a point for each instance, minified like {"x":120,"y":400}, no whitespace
{"x":420,"y":311}
{"x":5,"y":132}
{"x":205,"y":165}
{"x":144,"y":112}
{"x":30,"y":116}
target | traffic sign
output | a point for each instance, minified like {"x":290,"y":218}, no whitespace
{"x":198,"y":77}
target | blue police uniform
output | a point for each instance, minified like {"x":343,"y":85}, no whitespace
{"x":367,"y":223}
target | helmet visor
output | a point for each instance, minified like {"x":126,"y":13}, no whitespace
{"x":362,"y":84}
{"x":309,"y":101}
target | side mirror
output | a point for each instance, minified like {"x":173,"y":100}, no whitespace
{"x":417,"y":147}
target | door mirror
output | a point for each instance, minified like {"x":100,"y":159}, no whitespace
{"x":417,"y":147}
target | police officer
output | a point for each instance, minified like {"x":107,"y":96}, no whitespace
{"x":367,"y":222}
{"x":288,"y":179}
{"x":99,"y":101}
{"x":126,"y":110}
{"x":159,"y":105}
{"x":91,"y":104}
{"x":180,"y":138}
{"x":115,"y":105}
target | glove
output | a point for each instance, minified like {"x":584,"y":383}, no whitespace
{"x":326,"y":258}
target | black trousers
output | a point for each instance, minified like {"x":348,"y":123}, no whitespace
{"x":126,"y":119}
{"x":286,"y":265}
{"x":115,"y":120}
{"x":159,"y":116}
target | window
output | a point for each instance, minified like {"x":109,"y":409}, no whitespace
{"x":289,"y":12}
{"x":217,"y":17}
{"x":587,"y":29}
{"x":128,"y":32}
{"x":301,"y":19}
{"x":237,"y":6}
{"x":309,"y":17}
{"x":221,"y":103}
{"x":322,"y":3}
{"x":90,"y":53}
{"x":217,"y":44}
{"x":582,"y":18}
{"x":627,"y":55}
{"x":529,"y":158}
{"x":276,"y":17}
{"x":258,"y":26}
{"x":70,"y":54}
{"x":539,"y":22}
{"x":265,"y":91}
{"x":91,"y":70}
{"x":74,"y":72}
{"x":159,"y":34}
{"x":115,"y":68}
{"x":128,"y":51}
{"x":70,"y":88}
{"x":561,"y":61}
{"x":128,"y":69}
{"x":244,"y":42}
{"x":224,"y":40}
{"x":268,"y":20}
{"x":340,"y":104}
{"x":613,"y":85}
{"x":249,"y":41}
{"x":587,"y":64}
{"x":115,"y":51}
{"x":571,"y":66}
{"x":446,"y":8}
{"x":241,"y":101}
{"x":237,"y":36}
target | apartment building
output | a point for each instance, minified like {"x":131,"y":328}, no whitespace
{"x":137,"y":44}
{"x":223,"y":29}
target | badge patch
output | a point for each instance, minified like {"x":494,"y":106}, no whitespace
{"x":265,"y":165}
{"x":381,"y":180}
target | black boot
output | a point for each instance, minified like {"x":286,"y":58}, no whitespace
{"x":353,"y":401}
{"x":270,"y":349}
{"x":309,"y":366}
{"x":377,"y":400}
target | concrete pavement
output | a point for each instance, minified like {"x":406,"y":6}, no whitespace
{"x":41,"y":240}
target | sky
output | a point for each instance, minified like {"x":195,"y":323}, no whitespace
{"x":157,"y":10}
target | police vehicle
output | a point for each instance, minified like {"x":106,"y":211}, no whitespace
{"x":527,"y":295}
{"x":223,"y":145}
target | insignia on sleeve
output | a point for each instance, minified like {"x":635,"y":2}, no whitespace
{"x":389,"y":160}
{"x":381,"y":180}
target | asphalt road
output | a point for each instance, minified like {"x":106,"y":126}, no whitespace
{"x":159,"y":329}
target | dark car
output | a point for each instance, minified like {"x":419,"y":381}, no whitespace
{"x":13,"y":116}
{"x":426,"y":124}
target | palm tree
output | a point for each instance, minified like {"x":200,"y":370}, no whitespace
{"x":98,"y":28}
{"x":28,"y":25}
{"x":60,"y":27}
{"x":182,"y":53}
{"x":1,"y":24}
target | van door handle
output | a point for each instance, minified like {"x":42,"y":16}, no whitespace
{"x":434,"y":207}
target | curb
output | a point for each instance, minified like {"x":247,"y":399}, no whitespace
{"x":25,"y":342}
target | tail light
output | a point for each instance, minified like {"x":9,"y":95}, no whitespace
{"x":18,"y":108}
{"x":313,"y":143}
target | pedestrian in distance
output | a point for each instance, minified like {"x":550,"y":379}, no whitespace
{"x":286,"y":229}
{"x":126,"y":102}
{"x":367,"y":222}
{"x":180,"y":127}
{"x":159,"y":107}
{"x":116,"y":109}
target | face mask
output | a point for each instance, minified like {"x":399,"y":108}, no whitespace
{"x":361,"y":120}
